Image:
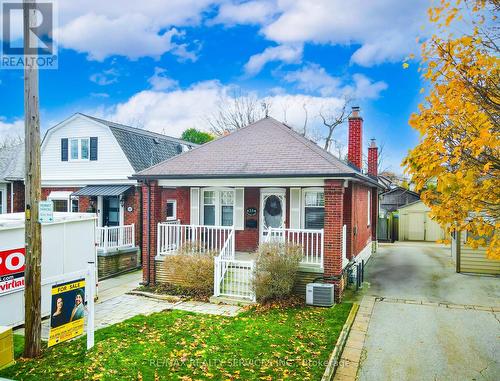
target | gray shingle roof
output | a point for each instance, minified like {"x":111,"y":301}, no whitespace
{"x":265,"y":148}
{"x":144,"y":148}
{"x":12,"y":163}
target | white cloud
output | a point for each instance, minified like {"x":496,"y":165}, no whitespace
{"x":313,"y":78}
{"x":284,"y":53}
{"x":106,"y":77}
{"x":128,"y":28}
{"x":160,"y":81}
{"x":250,"y":12}
{"x":11,"y":130}
{"x":364,"y":88}
{"x":385,"y":29}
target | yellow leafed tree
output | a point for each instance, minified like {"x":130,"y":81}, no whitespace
{"x":456,"y":164}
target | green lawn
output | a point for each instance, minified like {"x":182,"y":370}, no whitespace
{"x":292,"y":343}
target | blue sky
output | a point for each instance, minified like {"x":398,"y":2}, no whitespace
{"x":167,"y":65}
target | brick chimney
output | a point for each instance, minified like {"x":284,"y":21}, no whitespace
{"x":355,"y":144}
{"x":373,"y":159}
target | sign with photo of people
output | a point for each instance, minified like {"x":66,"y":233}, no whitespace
{"x":67,"y":312}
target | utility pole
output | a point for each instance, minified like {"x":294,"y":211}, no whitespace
{"x":32,"y":290}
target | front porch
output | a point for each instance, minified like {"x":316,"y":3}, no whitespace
{"x":233,"y":270}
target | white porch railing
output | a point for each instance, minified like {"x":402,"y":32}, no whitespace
{"x":112,"y":238}
{"x":311,"y":241}
{"x":171,"y":236}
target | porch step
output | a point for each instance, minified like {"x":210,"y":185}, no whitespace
{"x":231,"y":301}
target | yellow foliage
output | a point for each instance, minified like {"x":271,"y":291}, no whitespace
{"x":459,"y":149}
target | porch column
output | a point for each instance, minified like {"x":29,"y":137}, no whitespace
{"x":151,"y":207}
{"x":334,"y":200}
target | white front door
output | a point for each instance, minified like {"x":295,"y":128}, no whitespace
{"x":272,"y":210}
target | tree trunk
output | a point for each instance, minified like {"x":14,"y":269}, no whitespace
{"x":32,"y":291}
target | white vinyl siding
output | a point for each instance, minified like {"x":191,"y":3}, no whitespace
{"x":111,"y":164}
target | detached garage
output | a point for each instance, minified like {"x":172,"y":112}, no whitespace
{"x":415,"y":224}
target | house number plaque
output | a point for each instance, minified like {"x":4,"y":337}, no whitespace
{"x":251,"y":211}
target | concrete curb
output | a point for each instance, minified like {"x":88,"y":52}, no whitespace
{"x":333,"y":361}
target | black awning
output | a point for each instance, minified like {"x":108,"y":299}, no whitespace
{"x":102,"y":190}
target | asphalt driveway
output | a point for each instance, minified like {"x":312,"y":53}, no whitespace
{"x":429,"y":323}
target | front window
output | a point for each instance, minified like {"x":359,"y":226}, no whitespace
{"x":79,"y":149}
{"x":60,"y":205}
{"x":218,"y":207}
{"x":74,"y":149}
{"x":171,"y":210}
{"x":74,"y":205}
{"x":227,"y":202}
{"x":314,"y":210}
{"x":209,"y":208}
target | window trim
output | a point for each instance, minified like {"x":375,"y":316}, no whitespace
{"x":174,"y":210}
{"x":79,"y":140}
{"x":303,"y":204}
{"x":218,"y":204}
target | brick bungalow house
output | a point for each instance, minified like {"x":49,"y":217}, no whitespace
{"x":261,"y":183}
{"x":86,"y":167}
{"x":12,"y":179}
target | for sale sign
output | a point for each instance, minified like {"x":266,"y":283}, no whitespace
{"x":11,"y":270}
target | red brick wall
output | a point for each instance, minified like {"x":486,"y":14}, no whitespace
{"x":334,"y":200}
{"x":347,"y":213}
{"x":18,"y":187}
{"x":373,"y":160}
{"x":149,"y":245}
{"x":355,"y":144}
{"x":132,"y":198}
{"x":248,"y":239}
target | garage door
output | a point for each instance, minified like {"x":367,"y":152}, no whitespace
{"x":416,"y":226}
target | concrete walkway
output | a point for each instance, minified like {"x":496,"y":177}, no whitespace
{"x":429,"y":323}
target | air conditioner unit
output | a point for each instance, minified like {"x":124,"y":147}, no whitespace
{"x":320,"y":294}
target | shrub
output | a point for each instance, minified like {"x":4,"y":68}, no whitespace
{"x":192,"y":270}
{"x":275,"y":271}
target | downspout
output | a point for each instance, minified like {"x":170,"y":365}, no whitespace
{"x":12,"y":197}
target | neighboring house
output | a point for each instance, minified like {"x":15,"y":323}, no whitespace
{"x":12,"y":179}
{"x":262,"y":183}
{"x":470,"y":260}
{"x":389,"y":202}
{"x":415,"y":224}
{"x":86,"y":166}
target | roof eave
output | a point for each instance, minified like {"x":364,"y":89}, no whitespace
{"x":356,"y":176}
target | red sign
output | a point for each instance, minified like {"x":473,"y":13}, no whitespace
{"x":11,"y":269}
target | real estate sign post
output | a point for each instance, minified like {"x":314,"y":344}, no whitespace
{"x":67,"y":312}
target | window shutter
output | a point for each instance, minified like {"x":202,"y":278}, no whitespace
{"x":239,"y":208}
{"x":64,"y":149}
{"x":195,"y":206}
{"x":295,"y":215}
{"x":93,"y":148}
